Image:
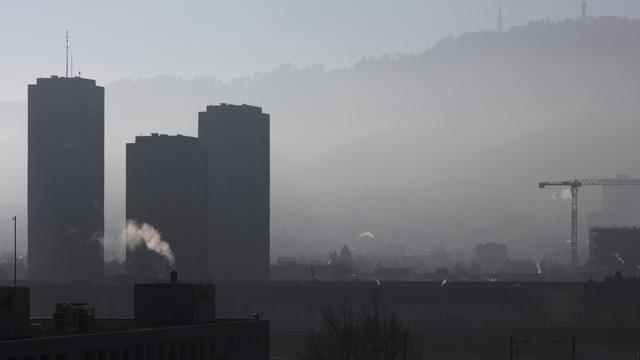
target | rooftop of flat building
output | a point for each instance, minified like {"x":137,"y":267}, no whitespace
{"x":164,"y":138}
{"x":59,"y":79}
{"x":614,"y":228}
{"x":232,"y":107}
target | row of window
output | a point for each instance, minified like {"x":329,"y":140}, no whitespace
{"x":198,"y":349}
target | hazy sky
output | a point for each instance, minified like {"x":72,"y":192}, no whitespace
{"x":117,"y":38}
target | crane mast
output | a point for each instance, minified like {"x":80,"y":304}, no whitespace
{"x":574,"y":185}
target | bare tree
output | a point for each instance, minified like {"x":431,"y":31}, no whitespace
{"x":352,"y":335}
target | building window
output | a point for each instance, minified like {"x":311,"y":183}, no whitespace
{"x":212,"y":348}
{"x":115,"y":354}
{"x":152,"y":352}
{"x":173,"y":351}
{"x":126,"y":353}
{"x":162,"y":355}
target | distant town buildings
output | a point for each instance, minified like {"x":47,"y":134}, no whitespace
{"x":491,"y":256}
{"x":614,"y":249}
{"x":66,"y":179}
{"x":237,"y":141}
{"x":167,"y":189}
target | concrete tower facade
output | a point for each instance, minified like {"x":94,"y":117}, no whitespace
{"x":66,"y":179}
{"x":167,"y":189}
{"x":237,"y":141}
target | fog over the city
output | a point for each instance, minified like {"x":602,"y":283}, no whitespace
{"x":422,"y":138}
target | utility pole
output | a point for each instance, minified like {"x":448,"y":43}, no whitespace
{"x":15,"y":256}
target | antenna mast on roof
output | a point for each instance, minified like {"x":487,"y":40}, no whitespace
{"x":66,"y":47}
{"x":500,"y":23}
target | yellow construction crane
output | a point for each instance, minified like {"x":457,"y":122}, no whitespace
{"x":574,"y":185}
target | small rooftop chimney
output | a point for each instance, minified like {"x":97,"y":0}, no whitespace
{"x":174,"y":277}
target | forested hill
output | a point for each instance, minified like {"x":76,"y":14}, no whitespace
{"x":443,"y":147}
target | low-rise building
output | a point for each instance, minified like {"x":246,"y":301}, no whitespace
{"x":172,"y":321}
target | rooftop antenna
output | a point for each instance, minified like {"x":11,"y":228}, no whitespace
{"x":500,"y":23}
{"x":71,"y":58}
{"x":584,"y":10}
{"x":66,"y":47}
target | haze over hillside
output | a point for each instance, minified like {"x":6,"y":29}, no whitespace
{"x":442,"y":148}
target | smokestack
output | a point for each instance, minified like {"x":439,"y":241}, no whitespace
{"x":174,"y":277}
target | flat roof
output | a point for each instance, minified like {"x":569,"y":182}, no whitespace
{"x":44,"y":327}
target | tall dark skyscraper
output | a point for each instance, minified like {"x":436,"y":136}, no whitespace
{"x":167,"y":189}
{"x":237,"y":140}
{"x":66,"y":179}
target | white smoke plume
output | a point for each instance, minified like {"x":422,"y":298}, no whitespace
{"x":565,"y":195}
{"x":538,"y":268}
{"x":144,"y":234}
{"x":367,"y":234}
{"x":620,"y":259}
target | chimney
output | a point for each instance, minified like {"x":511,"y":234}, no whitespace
{"x":174,"y":277}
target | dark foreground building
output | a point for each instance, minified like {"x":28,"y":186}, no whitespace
{"x":14,"y":312}
{"x":167,"y":189}
{"x":237,"y":139}
{"x":476,"y":318}
{"x":66,"y":179}
{"x":172,"y":321}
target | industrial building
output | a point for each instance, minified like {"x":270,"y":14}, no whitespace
{"x":167,"y":189}
{"x":65,"y":179}
{"x":237,"y":141}
{"x":614,"y":249}
{"x":172,"y":321}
